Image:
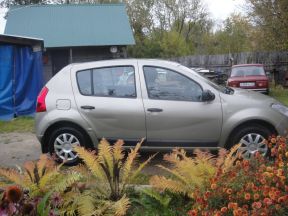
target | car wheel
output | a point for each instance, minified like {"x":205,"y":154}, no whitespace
{"x":251,"y":139}
{"x":62,"y":142}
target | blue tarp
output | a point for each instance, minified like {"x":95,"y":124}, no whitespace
{"x":6,"y":82}
{"x":21,"y":79}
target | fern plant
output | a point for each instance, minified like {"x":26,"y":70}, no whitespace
{"x":107,"y":175}
{"x":36,"y":176}
{"x":41,"y":179}
{"x":109,"y":168}
{"x":188,"y":173}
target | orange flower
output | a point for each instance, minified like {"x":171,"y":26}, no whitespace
{"x":272,"y":195}
{"x":246,"y":163}
{"x":267,"y":201}
{"x":237,"y":212}
{"x":268,"y":174}
{"x":232,"y":205}
{"x":286,"y":154}
{"x":280,"y":172}
{"x":13,"y":194}
{"x":281,"y":164}
{"x":207,"y":194}
{"x":224,"y":209}
{"x":245,"y":207}
{"x":229,"y":191}
{"x":273,"y":140}
{"x":250,"y":185}
{"x":238,"y":163}
{"x":193,"y":212}
{"x":213,"y":186}
{"x":281,"y":199}
{"x":247,"y":196}
{"x":263,"y":181}
{"x":256,"y":196}
{"x":256,"y":205}
{"x":255,"y":188}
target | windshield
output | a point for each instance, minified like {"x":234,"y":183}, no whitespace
{"x":222,"y":89}
{"x":247,"y":71}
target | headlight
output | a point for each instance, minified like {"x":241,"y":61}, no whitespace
{"x":280,"y":108}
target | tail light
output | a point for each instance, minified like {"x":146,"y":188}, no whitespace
{"x":41,"y":104}
{"x":262,"y":84}
{"x":233,"y":84}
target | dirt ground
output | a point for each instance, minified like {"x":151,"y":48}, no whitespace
{"x":16,"y":148}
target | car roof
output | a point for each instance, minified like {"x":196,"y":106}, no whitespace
{"x":247,"y":65}
{"x":128,"y":61}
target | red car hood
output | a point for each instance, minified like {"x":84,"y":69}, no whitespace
{"x":248,"y":78}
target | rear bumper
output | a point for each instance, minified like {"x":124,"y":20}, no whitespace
{"x":264,"y":90}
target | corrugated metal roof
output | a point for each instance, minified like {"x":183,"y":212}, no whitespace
{"x":12,"y":39}
{"x":72,"y":25}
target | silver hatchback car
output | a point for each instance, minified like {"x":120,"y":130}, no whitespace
{"x":168,"y":104}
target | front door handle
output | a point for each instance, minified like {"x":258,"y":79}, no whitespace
{"x":87,"y":107}
{"x":155,"y":110}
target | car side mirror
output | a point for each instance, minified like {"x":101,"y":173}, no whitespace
{"x":207,"y":95}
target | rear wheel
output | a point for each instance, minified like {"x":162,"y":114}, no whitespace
{"x":251,"y":139}
{"x":62,"y":142}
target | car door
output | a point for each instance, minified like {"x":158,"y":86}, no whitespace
{"x":175,"y":112}
{"x":109,"y":99}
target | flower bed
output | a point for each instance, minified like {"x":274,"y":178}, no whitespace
{"x":204,"y":184}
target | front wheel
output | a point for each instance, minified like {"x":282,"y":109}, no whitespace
{"x":251,"y":140}
{"x":62,"y":142}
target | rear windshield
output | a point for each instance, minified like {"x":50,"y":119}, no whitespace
{"x":247,"y":71}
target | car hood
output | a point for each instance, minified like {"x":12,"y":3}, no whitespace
{"x":248,"y":78}
{"x":244,"y":98}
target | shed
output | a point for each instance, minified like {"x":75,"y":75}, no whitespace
{"x":21,"y":75}
{"x":73,"y":33}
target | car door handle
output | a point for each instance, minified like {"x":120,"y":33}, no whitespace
{"x":87,"y":107}
{"x":155,"y":110}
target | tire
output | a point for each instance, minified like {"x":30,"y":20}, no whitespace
{"x":61,"y":144}
{"x":251,"y":139}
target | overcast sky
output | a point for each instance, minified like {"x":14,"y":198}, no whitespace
{"x":219,"y":9}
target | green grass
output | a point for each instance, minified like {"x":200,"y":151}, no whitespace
{"x":280,"y":94}
{"x":20,"y":124}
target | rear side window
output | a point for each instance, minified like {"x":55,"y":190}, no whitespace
{"x":84,"y":82}
{"x":108,"y":82}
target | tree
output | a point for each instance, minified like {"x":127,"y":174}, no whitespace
{"x":234,"y":37}
{"x":270,"y":20}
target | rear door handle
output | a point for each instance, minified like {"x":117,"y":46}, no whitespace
{"x":155,"y":110}
{"x":87,"y":107}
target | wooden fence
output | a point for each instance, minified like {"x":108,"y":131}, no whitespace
{"x":274,"y":62}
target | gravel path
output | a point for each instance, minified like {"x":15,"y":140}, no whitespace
{"x":16,"y":148}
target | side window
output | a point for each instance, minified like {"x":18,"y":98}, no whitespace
{"x":84,"y":82}
{"x":114,"y":82}
{"x":165,"y":84}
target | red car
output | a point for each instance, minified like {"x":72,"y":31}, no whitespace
{"x":249,"y":76}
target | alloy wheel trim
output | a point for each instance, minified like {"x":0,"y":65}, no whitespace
{"x":63,"y":146}
{"x":252,"y":143}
